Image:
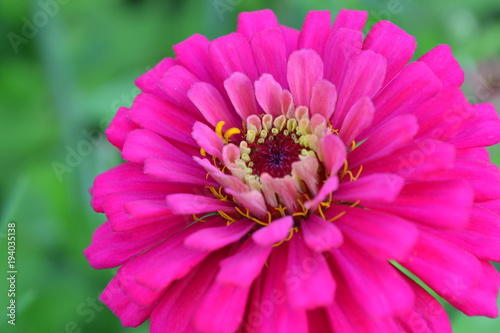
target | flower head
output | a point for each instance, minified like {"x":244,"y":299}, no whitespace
{"x":286,"y":181}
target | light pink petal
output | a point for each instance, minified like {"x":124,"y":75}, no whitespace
{"x":305,"y":67}
{"x":174,"y":172}
{"x":306,"y":170}
{"x":147,"y":208}
{"x":130,"y":314}
{"x":315,"y":31}
{"x":208,"y":139}
{"x":232,"y":53}
{"x":483,"y":130}
{"x":250,"y":23}
{"x":242,"y":268}
{"x":268,"y":94}
{"x":196,"y":204}
{"x":351,"y":19}
{"x":356,"y":120}
{"x":329,"y":186}
{"x":162,"y":117}
{"x":419,"y":159}
{"x":385,"y":140}
{"x":383,"y":235}
{"x":382,"y":187}
{"x":217,"y":237}
{"x":119,"y":128}
{"x":273,"y":233}
{"x":251,"y":200}
{"x":441,"y":61}
{"x":415,"y":85}
{"x":321,"y":235}
{"x":333,"y":152}
{"x":227,"y":181}
{"x":176,"y":83}
{"x":229,"y":301}
{"x":240,"y":90}
{"x":211,"y":104}
{"x":192,"y":53}
{"x":363,"y":77}
{"x":309,"y":283}
{"x":341,"y":46}
{"x":282,"y":187}
{"x":445,"y":204}
{"x":324,"y":98}
{"x":385,"y":293}
{"x":149,"y":81}
{"x":269,"y":51}
{"x":393,"y":43}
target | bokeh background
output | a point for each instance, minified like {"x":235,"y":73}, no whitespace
{"x":65,"y":68}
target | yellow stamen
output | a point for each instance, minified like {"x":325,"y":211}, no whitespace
{"x":230,"y":132}
{"x":218,"y":129}
{"x":203,"y":152}
{"x":337,"y":216}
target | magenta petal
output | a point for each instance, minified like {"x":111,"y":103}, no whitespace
{"x":130,"y":314}
{"x":483,"y":130}
{"x":291,"y":37}
{"x":269,"y":51}
{"x":363,"y":77}
{"x":217,"y":237}
{"x":268,"y":94}
{"x":176,"y":83}
{"x":146,"y":208}
{"x":211,"y":104}
{"x":315,"y":31}
{"x":321,"y":235}
{"x":351,"y":19}
{"x":323,"y":99}
{"x":196,"y":204}
{"x":383,"y":187}
{"x":208,"y":139}
{"x":251,"y":200}
{"x":328,"y":187}
{"x":308,"y":280}
{"x":192,"y":53}
{"x":305,"y":67}
{"x":149,"y":81}
{"x":242,"y":268}
{"x":393,"y":43}
{"x":229,"y":301}
{"x":357,"y":119}
{"x":444,"y":204}
{"x":240,"y":90}
{"x":441,"y":61}
{"x":232,"y":53}
{"x":273,"y":233}
{"x":250,"y":23}
{"x":334,"y":152}
{"x":174,"y":172}
{"x":119,"y":128}
{"x":341,"y":46}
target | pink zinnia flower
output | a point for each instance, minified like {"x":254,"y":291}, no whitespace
{"x":286,"y":181}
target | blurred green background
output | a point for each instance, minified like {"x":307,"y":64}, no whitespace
{"x":64,"y":71}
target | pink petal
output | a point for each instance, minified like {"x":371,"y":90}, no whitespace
{"x":441,"y":61}
{"x":251,"y":200}
{"x":250,"y":23}
{"x":242,"y":268}
{"x":306,"y":170}
{"x":174,"y":172}
{"x":196,"y":204}
{"x":226,"y":181}
{"x":385,"y":139}
{"x":291,"y":37}
{"x":356,"y":120}
{"x":273,"y":233}
{"x":334,"y":153}
{"x":146,"y":208}
{"x":284,"y":188}
{"x":393,"y":43}
{"x":323,"y":98}
{"x":192,"y":53}
{"x":240,"y":90}
{"x":217,"y":237}
{"x":483,"y":130}
{"x":305,"y":67}
{"x":176,"y":83}
{"x":321,"y":235}
{"x":268,"y":94}
{"x":232,"y":53}
{"x":269,"y":51}
{"x":341,"y":46}
{"x":329,"y":186}
{"x":382,"y":187}
{"x":119,"y":128}
{"x":149,"y":81}
{"x":130,"y":314}
{"x":315,"y":31}
{"x":351,"y":19}
{"x":211,"y":104}
{"x":363,"y":77}
{"x":309,"y":283}
{"x":445,"y":204}
{"x":208,"y":139}
{"x":382,"y":235}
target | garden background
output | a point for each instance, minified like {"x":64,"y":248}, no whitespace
{"x":65,"y":68}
